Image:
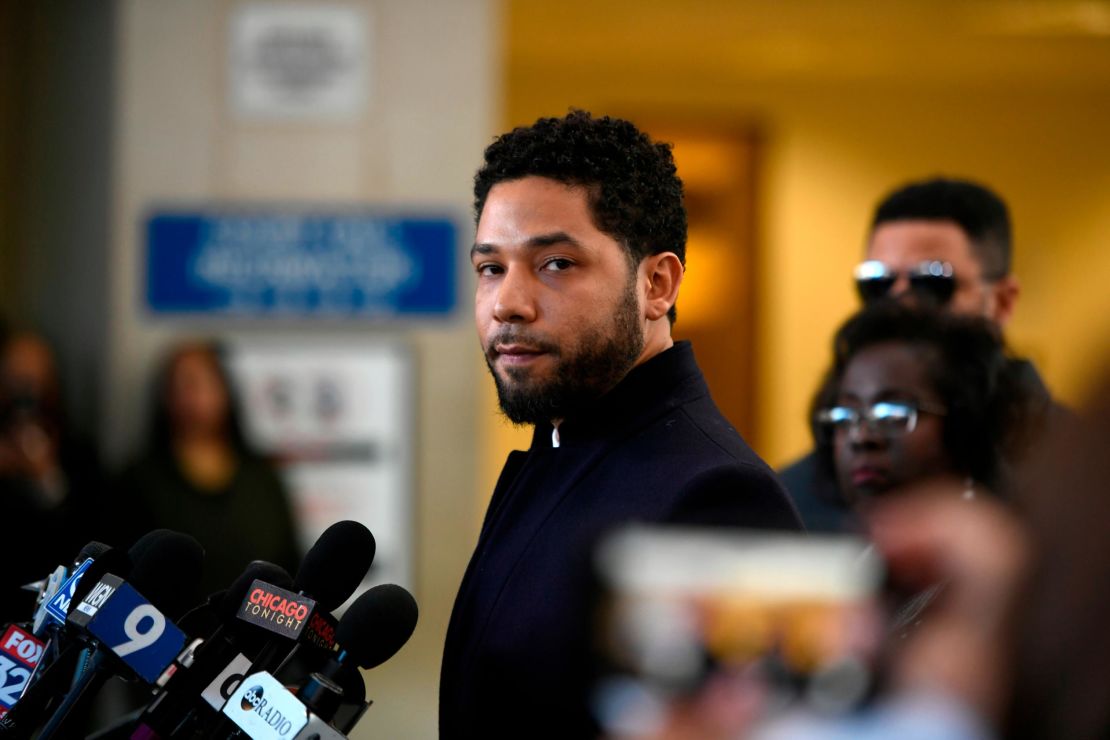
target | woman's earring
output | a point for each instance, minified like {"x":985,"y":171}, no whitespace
{"x":969,"y":489}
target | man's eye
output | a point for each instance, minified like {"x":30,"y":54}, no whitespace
{"x":557,"y":265}
{"x":487,"y":269}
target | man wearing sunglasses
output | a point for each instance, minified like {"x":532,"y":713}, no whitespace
{"x":942,"y":242}
{"x":939,"y":242}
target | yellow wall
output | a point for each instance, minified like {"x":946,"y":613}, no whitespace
{"x":849,"y":104}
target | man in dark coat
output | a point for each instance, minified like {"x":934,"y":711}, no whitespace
{"x":938,"y":241}
{"x":579,"y":254}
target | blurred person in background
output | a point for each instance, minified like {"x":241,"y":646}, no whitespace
{"x":940,"y":242}
{"x":1060,"y":646}
{"x":1015,"y":643}
{"x":51,"y":486}
{"x":199,"y":475}
{"x":915,"y":394}
{"x":1012,"y":645}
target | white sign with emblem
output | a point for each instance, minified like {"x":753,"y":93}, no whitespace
{"x":263,"y":708}
{"x":339,"y":416}
{"x":300,"y":61}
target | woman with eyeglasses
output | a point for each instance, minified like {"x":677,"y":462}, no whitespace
{"x":914,"y":394}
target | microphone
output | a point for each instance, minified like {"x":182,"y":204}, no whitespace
{"x":129,"y":633}
{"x":20,"y":654}
{"x":377,"y":625}
{"x":55,"y":669}
{"x":373,"y":629}
{"x":208,"y":671}
{"x":51,"y":612}
{"x":26,"y":650}
{"x":335,"y":566}
{"x":167,"y":567}
{"x":46,"y":590}
{"x":329,"y":573}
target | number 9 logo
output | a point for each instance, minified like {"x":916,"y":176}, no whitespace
{"x":137,"y":640}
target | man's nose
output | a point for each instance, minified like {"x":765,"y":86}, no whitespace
{"x":901,"y":287}
{"x":516,"y":301}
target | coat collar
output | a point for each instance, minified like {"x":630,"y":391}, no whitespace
{"x":672,"y":374}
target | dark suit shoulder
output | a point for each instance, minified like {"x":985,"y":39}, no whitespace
{"x":715,"y":432}
{"x":736,"y":495}
{"x":800,"y":474}
{"x":817,"y":496}
{"x":714,"y":477}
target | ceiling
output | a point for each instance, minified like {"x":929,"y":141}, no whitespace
{"x":968,"y":43}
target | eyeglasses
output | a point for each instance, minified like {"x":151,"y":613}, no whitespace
{"x":885,"y":418}
{"x":933,"y":280}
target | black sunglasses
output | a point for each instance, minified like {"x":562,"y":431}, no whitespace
{"x":932,"y":280}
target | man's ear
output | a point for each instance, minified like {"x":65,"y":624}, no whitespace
{"x":662,"y":275}
{"x":1006,"y":292}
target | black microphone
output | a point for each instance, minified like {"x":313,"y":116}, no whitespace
{"x":129,"y":623}
{"x":372,"y":630}
{"x":209,"y":670}
{"x":167,"y":568}
{"x":375,"y":627}
{"x":55,"y":671}
{"x":335,"y":566}
{"x":32,"y":648}
{"x":329,"y":573}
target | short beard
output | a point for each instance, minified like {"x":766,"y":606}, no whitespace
{"x":599,"y":361}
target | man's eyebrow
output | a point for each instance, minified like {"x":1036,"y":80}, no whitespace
{"x":555,"y":237}
{"x":538,"y":241}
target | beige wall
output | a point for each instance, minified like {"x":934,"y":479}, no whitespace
{"x":418,"y":144}
{"x":827,"y":166}
{"x":851,"y":99}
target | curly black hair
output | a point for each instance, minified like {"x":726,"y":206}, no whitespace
{"x":634,"y":190}
{"x":991,"y":410}
{"x":979,"y":212}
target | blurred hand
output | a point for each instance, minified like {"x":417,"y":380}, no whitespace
{"x":979,"y":552}
{"x":29,"y":454}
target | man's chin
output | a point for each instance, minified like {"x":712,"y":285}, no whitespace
{"x":520,"y":378}
{"x":529,"y":400}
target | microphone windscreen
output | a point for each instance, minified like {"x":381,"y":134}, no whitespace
{"x":275,"y":575}
{"x":92,"y":550}
{"x":204,"y":618}
{"x":221,"y":608}
{"x":377,"y":624}
{"x":334,"y":567}
{"x":111,"y":561}
{"x":167,"y":569}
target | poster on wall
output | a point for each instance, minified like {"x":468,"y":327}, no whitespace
{"x":286,"y":262}
{"x":300,"y":61}
{"x":339,"y":419}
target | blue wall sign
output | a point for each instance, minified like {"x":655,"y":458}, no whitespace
{"x":300,"y":264}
